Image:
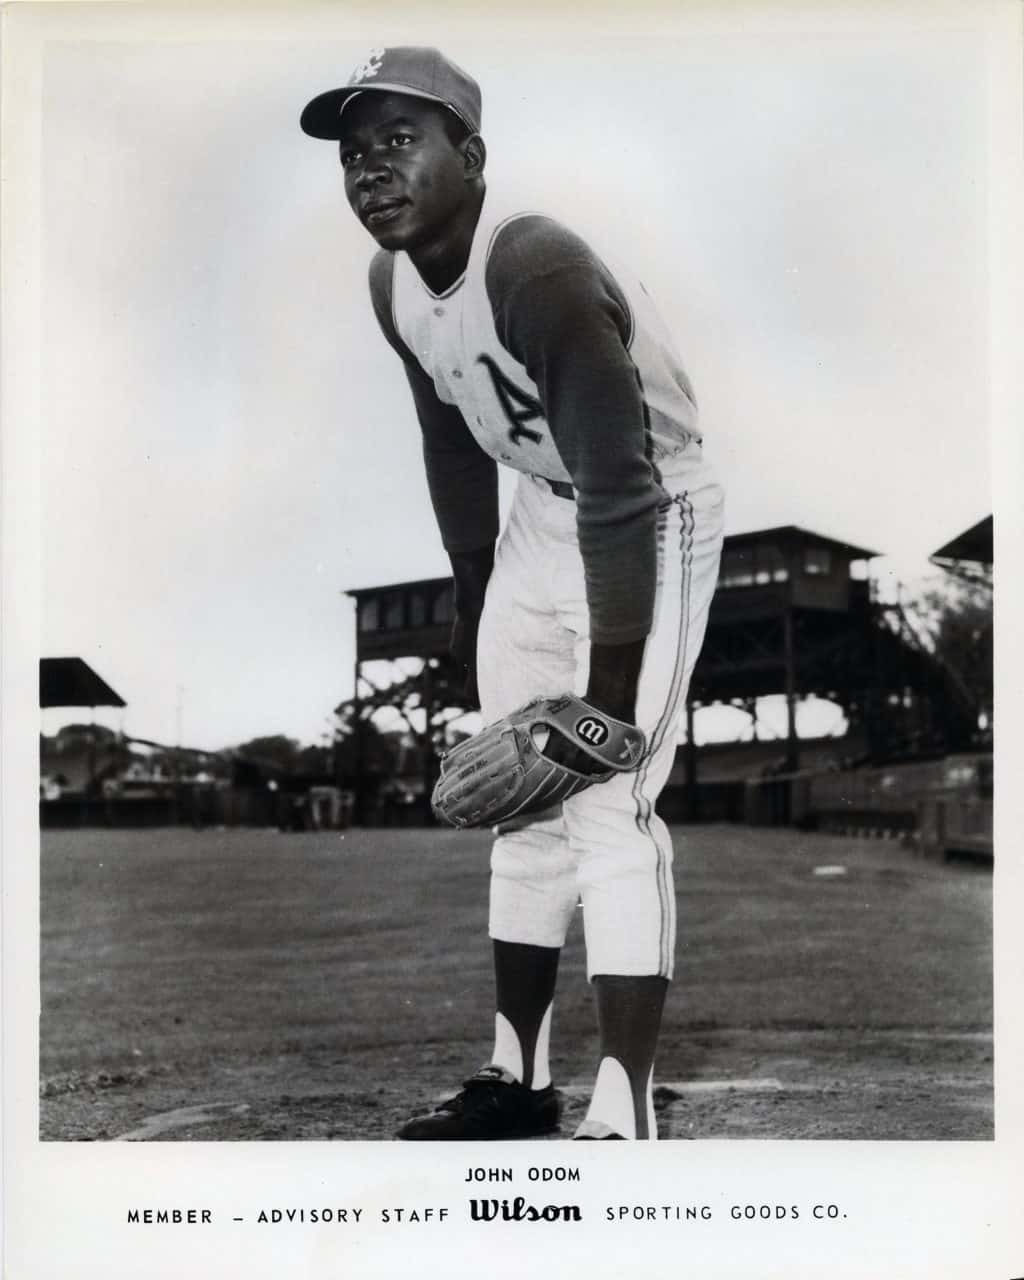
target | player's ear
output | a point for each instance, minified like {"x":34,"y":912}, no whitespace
{"x":474,"y":157}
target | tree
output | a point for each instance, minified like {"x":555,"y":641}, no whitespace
{"x":954,"y":618}
{"x":275,"y":752}
{"x":360,"y":746}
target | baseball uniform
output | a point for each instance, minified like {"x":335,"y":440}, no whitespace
{"x":565,"y":372}
{"x":526,"y":348}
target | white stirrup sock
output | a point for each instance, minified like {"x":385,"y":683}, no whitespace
{"x":612,"y":1100}
{"x":508,"y":1052}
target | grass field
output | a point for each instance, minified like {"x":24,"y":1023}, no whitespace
{"x":252,"y":985}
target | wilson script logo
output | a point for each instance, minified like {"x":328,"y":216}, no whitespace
{"x":518,"y":1210}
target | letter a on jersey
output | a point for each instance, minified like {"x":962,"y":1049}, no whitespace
{"x":517,"y":406}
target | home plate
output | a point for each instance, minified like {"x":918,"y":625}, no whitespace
{"x":154,"y":1126}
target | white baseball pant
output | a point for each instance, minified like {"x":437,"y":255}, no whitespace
{"x":608,"y":849}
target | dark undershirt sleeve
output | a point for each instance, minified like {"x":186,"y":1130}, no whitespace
{"x":560,"y":313}
{"x":462,"y":479}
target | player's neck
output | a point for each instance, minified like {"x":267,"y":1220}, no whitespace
{"x":441,"y":262}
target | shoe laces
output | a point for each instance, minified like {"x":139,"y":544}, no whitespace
{"x":479,"y":1093}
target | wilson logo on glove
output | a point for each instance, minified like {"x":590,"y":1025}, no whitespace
{"x":593,"y":731}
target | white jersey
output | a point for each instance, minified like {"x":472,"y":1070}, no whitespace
{"x":454,"y":338}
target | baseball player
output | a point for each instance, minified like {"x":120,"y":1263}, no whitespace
{"x":523,"y":347}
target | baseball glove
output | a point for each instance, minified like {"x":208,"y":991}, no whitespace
{"x":503,"y":772}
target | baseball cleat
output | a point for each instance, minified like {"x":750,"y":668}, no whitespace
{"x":492,"y":1104}
{"x":595,"y":1130}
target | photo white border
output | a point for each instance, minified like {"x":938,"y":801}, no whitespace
{"x":914,"y":1209}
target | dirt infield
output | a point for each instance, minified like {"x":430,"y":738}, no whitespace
{"x":227,"y":985}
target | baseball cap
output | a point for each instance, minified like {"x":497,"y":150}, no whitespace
{"x":415,"y":70}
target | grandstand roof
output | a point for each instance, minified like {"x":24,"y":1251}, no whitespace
{"x":70,"y":682}
{"x":357,"y":593}
{"x":793,"y":533}
{"x":974,"y":544}
{"x":790,"y":533}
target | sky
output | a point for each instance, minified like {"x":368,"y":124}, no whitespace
{"x":227,"y":444}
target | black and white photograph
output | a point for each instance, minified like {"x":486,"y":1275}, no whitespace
{"x":502,"y":509}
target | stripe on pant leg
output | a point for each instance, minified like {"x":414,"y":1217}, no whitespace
{"x":686,"y":552}
{"x":644,"y":807}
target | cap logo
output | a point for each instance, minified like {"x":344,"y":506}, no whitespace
{"x":366,"y":70}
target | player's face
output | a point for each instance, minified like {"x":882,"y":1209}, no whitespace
{"x":405,"y":180}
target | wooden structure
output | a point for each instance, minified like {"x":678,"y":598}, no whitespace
{"x":407,"y":620}
{"x":788,"y":604}
{"x":394,"y":622}
{"x":403,"y":620}
{"x":794,"y":614}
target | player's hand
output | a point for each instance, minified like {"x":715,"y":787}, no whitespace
{"x":560,"y":750}
{"x":614,"y":672}
{"x":613,"y":678}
